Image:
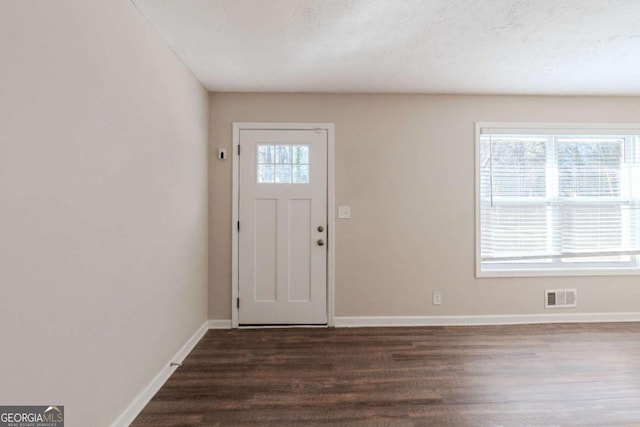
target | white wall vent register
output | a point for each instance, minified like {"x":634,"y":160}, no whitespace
{"x":560,"y":298}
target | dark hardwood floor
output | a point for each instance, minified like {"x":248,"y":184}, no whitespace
{"x":532,"y":375}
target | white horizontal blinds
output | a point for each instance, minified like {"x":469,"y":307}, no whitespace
{"x":596,"y":231}
{"x":631,"y":160}
{"x":513,"y":202}
{"x":515,"y":167}
{"x":559,"y":198}
{"x":589,"y":167}
{"x":590,"y":194}
{"x":512,"y":232}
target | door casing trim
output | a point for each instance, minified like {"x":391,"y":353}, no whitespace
{"x":331,"y":210}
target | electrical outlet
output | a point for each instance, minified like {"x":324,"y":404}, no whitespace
{"x":437,"y":298}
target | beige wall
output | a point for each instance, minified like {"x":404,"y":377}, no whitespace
{"x":103,"y":205}
{"x":405,"y":165}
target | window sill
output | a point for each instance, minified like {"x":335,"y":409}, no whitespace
{"x":631,"y":271}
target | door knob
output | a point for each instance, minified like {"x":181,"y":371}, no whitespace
{"x":320,"y":242}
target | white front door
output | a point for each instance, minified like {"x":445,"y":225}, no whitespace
{"x":282,"y":275}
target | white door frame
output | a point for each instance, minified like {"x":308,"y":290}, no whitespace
{"x":331,"y":229}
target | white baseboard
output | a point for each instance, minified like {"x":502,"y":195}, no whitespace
{"x":158,"y":381}
{"x":498,"y":319}
{"x":219,"y":324}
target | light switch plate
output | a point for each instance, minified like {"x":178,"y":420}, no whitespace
{"x":344,"y":212}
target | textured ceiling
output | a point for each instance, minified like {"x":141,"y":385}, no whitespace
{"x":580,"y":47}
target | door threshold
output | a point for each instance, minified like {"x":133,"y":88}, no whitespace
{"x":282,"y":326}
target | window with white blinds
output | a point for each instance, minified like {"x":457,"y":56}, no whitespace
{"x":558,"y":200}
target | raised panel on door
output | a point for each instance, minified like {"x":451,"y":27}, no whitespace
{"x":265,"y":278}
{"x":300,"y":245}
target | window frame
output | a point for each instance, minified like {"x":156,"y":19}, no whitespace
{"x":537,"y":269}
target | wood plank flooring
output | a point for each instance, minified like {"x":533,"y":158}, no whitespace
{"x":530,"y":375}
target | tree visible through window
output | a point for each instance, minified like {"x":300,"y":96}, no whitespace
{"x":282,"y":164}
